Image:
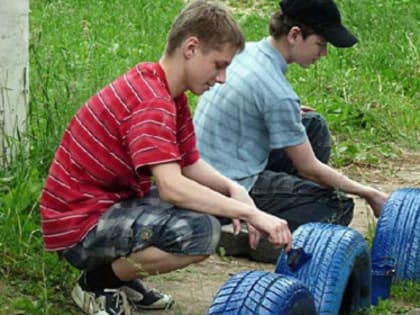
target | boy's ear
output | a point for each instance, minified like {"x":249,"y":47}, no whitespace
{"x":293,"y":34}
{"x":190,"y":46}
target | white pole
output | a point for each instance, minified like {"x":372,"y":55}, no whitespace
{"x":14,"y":79}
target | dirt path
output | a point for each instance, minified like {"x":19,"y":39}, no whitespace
{"x":194,"y":287}
{"x":387,"y":177}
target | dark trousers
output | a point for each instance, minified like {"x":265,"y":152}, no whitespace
{"x":281,"y":192}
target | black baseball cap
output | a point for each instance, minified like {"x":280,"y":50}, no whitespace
{"x":323,"y":16}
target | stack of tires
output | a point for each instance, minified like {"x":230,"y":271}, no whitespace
{"x":396,"y":245}
{"x":398,"y":233}
{"x":337,"y":279}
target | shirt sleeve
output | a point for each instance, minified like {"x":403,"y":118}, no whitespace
{"x":284,"y":123}
{"x":151,"y":136}
{"x":160,"y":132}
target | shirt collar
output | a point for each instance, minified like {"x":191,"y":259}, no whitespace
{"x":276,"y":57}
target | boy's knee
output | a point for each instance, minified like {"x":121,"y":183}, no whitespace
{"x":315,"y":122}
{"x":318,"y":134}
{"x":216,"y":231}
{"x":202,"y":236}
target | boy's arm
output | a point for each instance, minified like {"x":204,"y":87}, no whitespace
{"x":308,"y":166}
{"x":205,"y":174}
{"x":176,"y":188}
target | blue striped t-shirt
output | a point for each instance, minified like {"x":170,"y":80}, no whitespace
{"x":238,"y":123}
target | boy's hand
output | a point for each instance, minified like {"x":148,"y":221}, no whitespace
{"x":275,"y":229}
{"x":305,"y":109}
{"x":254,"y":236}
{"x":239,"y":193}
{"x":376,"y":199}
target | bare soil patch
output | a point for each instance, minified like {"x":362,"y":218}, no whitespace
{"x":194,"y":287}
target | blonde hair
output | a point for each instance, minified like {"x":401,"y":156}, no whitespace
{"x":210,"y":21}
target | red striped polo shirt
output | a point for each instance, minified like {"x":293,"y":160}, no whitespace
{"x":106,"y":151}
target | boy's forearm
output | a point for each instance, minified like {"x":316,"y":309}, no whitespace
{"x":192,"y":192}
{"x":328,"y":177}
{"x":192,"y":195}
{"x":205,"y":174}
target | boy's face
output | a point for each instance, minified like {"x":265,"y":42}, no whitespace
{"x":309,"y":50}
{"x":207,"y":67}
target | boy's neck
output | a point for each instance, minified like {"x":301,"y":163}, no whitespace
{"x":282,"y":46}
{"x":173,"y":66}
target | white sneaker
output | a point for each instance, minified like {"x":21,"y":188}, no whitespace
{"x":108,"y":302}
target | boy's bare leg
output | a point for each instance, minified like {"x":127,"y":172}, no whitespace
{"x":150,"y":261}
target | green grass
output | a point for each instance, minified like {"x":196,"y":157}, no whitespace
{"x":369,"y":94}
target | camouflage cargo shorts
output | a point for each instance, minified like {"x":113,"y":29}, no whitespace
{"x":135,"y":224}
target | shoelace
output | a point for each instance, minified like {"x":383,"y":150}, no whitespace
{"x":156,"y":292}
{"x":159,"y":296}
{"x":121,"y":302}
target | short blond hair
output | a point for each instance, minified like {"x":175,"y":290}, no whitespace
{"x":210,"y":21}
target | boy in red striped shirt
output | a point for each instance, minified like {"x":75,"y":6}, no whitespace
{"x":99,"y":208}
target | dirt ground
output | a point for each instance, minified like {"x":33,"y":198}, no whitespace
{"x":194,"y":287}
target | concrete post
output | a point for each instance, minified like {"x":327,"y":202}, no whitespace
{"x":14,"y":79}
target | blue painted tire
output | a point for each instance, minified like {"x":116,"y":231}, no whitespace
{"x":262,"y":293}
{"x":398,"y":233}
{"x":339,"y":272}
